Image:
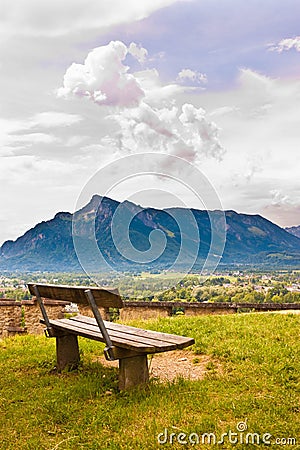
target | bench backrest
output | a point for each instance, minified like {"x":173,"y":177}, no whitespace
{"x":107,"y":298}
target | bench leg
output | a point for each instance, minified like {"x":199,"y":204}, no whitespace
{"x":67,"y":352}
{"x":133,"y":372}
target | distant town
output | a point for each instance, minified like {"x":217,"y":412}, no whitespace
{"x":228,"y":286}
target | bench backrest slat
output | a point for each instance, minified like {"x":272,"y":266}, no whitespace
{"x":107,"y":298}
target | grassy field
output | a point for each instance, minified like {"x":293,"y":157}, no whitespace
{"x":258,"y":388}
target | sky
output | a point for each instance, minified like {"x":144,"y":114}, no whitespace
{"x":87,"y":83}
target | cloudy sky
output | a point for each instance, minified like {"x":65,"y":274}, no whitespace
{"x":86,"y":82}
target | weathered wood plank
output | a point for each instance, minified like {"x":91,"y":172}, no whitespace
{"x":115,"y":334}
{"x":97,"y":336}
{"x":179,"y":341}
{"x":107,"y":298}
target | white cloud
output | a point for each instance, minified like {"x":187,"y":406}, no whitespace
{"x":201,"y":134}
{"x":257,"y":116}
{"x":148,"y":79}
{"x":48,"y":119}
{"x":258,"y":90}
{"x":53,"y":119}
{"x":147,"y":112}
{"x":286,"y":44}
{"x":282,"y":208}
{"x":18,"y":135}
{"x":138,"y":52}
{"x":278,"y":198}
{"x":35,"y":190}
{"x":33,"y":138}
{"x":191,"y":75}
{"x":224,"y":110}
{"x":184,"y":132}
{"x":55,"y":18}
{"x":74,"y":141}
{"x":156,"y":93}
{"x":103,"y":78}
{"x":32,"y":169}
{"x":283,"y":214}
{"x":258,"y":122}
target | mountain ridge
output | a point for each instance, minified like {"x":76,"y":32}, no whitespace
{"x":49,"y":246}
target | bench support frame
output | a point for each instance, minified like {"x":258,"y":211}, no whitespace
{"x":48,"y":331}
{"x":133,"y":372}
{"x":133,"y":367}
{"x":67,"y":352}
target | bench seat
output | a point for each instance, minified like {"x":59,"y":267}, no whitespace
{"x":123,"y":336}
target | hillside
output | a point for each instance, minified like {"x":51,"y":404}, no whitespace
{"x":250,"y":239}
{"x":250,"y":374}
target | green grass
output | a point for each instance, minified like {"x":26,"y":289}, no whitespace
{"x":258,"y":383}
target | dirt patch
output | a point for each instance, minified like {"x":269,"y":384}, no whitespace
{"x":179,"y":364}
{"x":176,"y":364}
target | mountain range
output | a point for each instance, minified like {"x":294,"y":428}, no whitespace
{"x":294,"y":230}
{"x":250,"y":240}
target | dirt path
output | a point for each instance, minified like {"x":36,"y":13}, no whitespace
{"x":171,"y":365}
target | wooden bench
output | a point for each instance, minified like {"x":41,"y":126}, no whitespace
{"x":127,"y":344}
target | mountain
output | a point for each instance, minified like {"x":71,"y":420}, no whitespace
{"x":134,"y":238}
{"x":294,"y":230}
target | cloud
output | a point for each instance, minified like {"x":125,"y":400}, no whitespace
{"x":252,"y":169}
{"x":143,"y":127}
{"x":146,"y":111}
{"x":56,"y":18}
{"x":255,"y":114}
{"x":224,"y":110}
{"x":22,"y":168}
{"x":282,"y":210}
{"x":47,"y":119}
{"x":200,"y":132}
{"x":157,"y":93}
{"x":258,"y":122}
{"x":286,"y":44}
{"x":278,"y":198}
{"x":53,"y":119}
{"x":138,"y":52}
{"x":273,"y":104}
{"x":191,"y":75}
{"x":185,"y":132}
{"x":19,"y":135}
{"x":103,"y":78}
{"x":255,"y":96}
{"x":257,"y":87}
{"x":33,"y":138}
{"x":35,"y":189}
